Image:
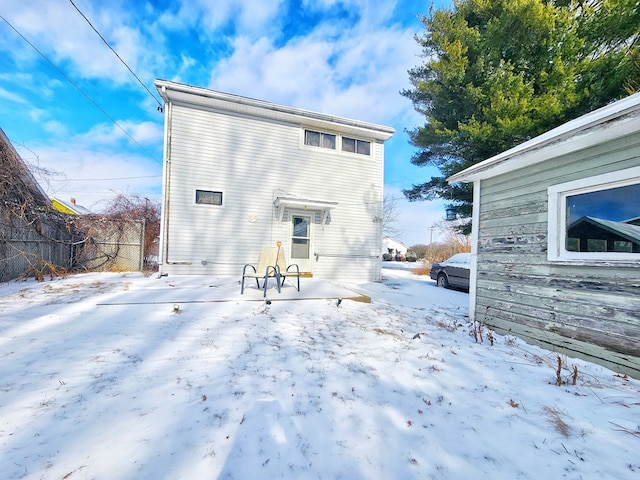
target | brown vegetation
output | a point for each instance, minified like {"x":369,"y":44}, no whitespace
{"x":37,"y":241}
{"x":134,"y":207}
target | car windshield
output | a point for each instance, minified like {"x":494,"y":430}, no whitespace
{"x":459,"y":258}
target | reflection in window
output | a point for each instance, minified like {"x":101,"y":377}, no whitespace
{"x":300,"y":241}
{"x":319,"y":139}
{"x":356,"y":146}
{"x":363,"y":147}
{"x":604,"y":220}
{"x":349,"y":145}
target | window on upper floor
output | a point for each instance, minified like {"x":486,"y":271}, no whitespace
{"x":320,"y":139}
{"x":596,"y":218}
{"x":353,"y":145}
{"x":328,"y":140}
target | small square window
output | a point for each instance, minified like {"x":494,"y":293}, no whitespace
{"x":329,"y":141}
{"x":208,"y":197}
{"x":312,"y":138}
{"x":364,"y":147}
{"x":348,"y":145}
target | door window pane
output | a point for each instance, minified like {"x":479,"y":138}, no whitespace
{"x":300,"y":248}
{"x":300,"y":227}
{"x":300,"y":241}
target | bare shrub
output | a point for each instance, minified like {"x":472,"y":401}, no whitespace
{"x":135,"y":207}
{"x":554,"y":417}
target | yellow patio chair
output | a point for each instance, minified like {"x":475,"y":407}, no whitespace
{"x":292,"y":270}
{"x":265,"y":269}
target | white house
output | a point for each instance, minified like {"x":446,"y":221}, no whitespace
{"x":241,"y":173}
{"x":556,"y":238}
{"x":393,"y":247}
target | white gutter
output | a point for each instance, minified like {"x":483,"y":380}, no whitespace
{"x":277,"y":111}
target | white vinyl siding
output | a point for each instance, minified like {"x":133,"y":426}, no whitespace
{"x":255,"y":161}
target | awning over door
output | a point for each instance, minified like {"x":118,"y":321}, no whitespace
{"x":301,"y":203}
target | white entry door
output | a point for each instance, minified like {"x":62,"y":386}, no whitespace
{"x":301,"y":241}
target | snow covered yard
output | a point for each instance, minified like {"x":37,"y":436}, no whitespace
{"x":100,"y":380}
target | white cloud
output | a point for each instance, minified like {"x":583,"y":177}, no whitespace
{"x":56,"y":128}
{"x":91,"y":176}
{"x":209,"y":15}
{"x":145,"y":133}
{"x":11,"y":96}
{"x":67,"y":40}
{"x":354,"y":76}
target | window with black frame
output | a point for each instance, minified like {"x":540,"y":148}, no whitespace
{"x":352,"y":145}
{"x":208,"y":197}
{"x":320,"y":139}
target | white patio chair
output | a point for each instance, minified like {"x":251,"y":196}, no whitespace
{"x":265,"y":269}
{"x":292,"y":270}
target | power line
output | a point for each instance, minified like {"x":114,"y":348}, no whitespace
{"x":102,"y":179}
{"x":79,"y":89}
{"x":161,"y":106}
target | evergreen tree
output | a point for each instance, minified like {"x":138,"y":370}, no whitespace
{"x":499,"y":72}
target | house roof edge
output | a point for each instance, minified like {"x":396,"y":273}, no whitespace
{"x":166,"y":86}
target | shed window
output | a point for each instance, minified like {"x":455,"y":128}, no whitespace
{"x":597,"y":218}
{"x":320,"y":139}
{"x":353,"y":145}
{"x":208,"y":197}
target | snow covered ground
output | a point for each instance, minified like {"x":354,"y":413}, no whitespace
{"x":101,"y":378}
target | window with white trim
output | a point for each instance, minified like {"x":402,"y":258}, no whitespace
{"x":320,"y":139}
{"x":208,"y":197}
{"x":596,"y":218}
{"x":353,"y":145}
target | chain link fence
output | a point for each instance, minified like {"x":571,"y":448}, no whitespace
{"x":82,"y":243}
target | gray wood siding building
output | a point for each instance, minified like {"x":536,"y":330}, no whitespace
{"x":529,"y":278}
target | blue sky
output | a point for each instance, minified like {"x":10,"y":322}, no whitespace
{"x":348,"y":58}
{"x":617,"y":204}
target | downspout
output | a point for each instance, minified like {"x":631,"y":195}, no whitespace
{"x":166,"y":188}
{"x":164,"y":227}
